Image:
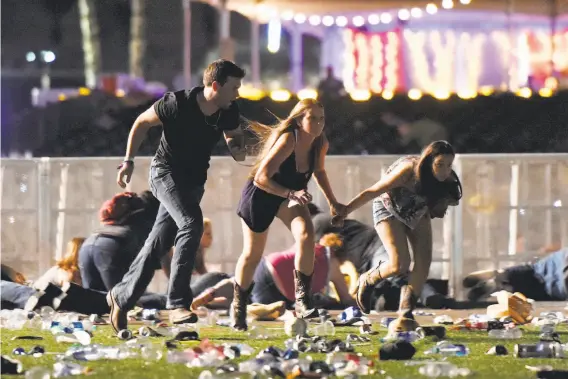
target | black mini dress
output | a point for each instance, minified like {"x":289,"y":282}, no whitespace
{"x":258,"y":208}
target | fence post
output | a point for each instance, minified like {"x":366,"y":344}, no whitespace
{"x":44,"y":245}
{"x":456,"y":260}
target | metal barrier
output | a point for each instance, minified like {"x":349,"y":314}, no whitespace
{"x":513,"y":205}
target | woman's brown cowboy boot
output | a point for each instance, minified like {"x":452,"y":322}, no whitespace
{"x":303,"y":306}
{"x":365,"y":288}
{"x":405,"y":321}
{"x":239,"y":307}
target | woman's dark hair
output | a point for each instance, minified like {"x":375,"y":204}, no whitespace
{"x":426,"y":184}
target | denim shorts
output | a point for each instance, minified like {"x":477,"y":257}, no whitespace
{"x":380,"y":212}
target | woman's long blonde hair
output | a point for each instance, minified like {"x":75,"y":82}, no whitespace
{"x":70,"y":262}
{"x":268,"y":135}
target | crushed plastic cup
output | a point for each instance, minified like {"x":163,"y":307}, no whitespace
{"x":13,"y":319}
{"x":38,"y":373}
{"x":295,"y":327}
{"x":325,"y":329}
{"x":61,"y":369}
{"x":258,"y":332}
{"x":438,"y":369}
{"x":212,"y":318}
{"x":151,"y":353}
{"x":506,"y":333}
{"x":47,"y":313}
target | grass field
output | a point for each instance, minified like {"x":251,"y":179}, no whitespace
{"x":483,"y":366}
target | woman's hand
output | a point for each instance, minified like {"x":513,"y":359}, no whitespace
{"x":337,"y":220}
{"x":337,"y":209}
{"x":302,"y":197}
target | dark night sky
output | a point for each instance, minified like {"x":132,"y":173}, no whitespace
{"x":28,"y":25}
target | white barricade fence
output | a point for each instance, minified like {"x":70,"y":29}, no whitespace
{"x":513,"y":205}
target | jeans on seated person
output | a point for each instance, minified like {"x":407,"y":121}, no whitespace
{"x":207,"y":280}
{"x":179,"y":213}
{"x":14,"y":295}
{"x":265,"y":290}
{"x":76,"y":299}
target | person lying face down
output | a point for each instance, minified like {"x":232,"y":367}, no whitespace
{"x":106,"y":255}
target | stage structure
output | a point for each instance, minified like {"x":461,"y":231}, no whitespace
{"x":438,"y":47}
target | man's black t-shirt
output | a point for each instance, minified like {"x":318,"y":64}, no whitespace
{"x":188,"y":137}
{"x":361,"y":242}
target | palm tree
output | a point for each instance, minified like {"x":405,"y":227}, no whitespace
{"x":91,"y":41}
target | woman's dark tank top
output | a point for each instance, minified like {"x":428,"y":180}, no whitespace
{"x":288,"y":176}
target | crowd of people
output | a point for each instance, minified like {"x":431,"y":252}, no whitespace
{"x":165,"y":228}
{"x":500,"y":123}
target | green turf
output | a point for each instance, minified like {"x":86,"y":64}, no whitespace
{"x":484,"y":366}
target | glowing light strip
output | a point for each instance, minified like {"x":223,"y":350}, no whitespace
{"x":392,"y":61}
{"x":377,"y":63}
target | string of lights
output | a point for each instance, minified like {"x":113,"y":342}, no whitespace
{"x":357,"y":21}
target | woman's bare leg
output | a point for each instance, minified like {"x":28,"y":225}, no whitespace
{"x":421,"y":241}
{"x":393,"y":236}
{"x":298,"y":220}
{"x":253,"y":248}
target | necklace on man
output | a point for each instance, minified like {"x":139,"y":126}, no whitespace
{"x":216,"y":122}
{"x":205,"y":116}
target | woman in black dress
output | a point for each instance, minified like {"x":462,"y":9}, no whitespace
{"x":277,"y":187}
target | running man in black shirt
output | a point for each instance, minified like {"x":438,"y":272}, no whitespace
{"x":193,"y":122}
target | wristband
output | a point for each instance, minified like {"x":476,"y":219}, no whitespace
{"x":125,"y":162}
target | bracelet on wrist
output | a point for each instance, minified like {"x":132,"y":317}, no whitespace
{"x":124,"y":163}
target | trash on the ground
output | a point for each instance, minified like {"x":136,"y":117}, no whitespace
{"x":78,"y":336}
{"x":61,"y":369}
{"x":356,"y":338}
{"x":542,"y":349}
{"x":367,"y":329}
{"x":514,"y":333}
{"x":447,"y":348}
{"x":96,"y":319}
{"x":295,"y":327}
{"x":516,"y":306}
{"x":37,"y":338}
{"x":437,"y":369}
{"x":35,"y":351}
{"x":539,"y":368}
{"x":257,"y":332}
{"x":385,"y":321}
{"x":497,"y":350}
{"x":443,"y":320}
{"x":552,"y":374}
{"x":411,"y":336}
{"x":124,"y":334}
{"x":433,"y":331}
{"x":399,"y":350}
{"x":325,"y":329}
{"x":38,"y":372}
{"x":421,"y":312}
{"x":10,"y":366}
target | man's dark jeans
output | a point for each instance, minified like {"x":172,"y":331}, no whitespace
{"x":179,"y":221}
